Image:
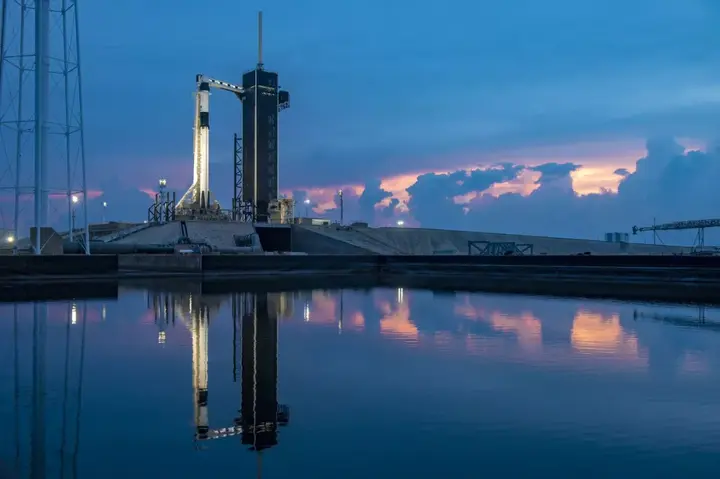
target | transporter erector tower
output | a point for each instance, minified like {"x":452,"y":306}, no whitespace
{"x":258,"y":190}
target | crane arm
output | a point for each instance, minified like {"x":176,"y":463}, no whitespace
{"x":283,"y":100}
{"x":679,"y":225}
{"x":221,"y":85}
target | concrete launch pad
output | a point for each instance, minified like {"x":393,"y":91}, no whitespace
{"x":419,"y":241}
{"x":335,"y":239}
{"x":220,"y":234}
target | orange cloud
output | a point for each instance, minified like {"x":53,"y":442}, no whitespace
{"x":599,"y":161}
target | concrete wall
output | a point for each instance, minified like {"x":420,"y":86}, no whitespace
{"x":617,"y":269}
{"x":289,"y":263}
{"x":161,"y":262}
{"x":275,"y":238}
{"x":51,"y":243}
{"x":311,"y":241}
{"x":35,"y":265}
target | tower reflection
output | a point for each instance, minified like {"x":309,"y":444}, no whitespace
{"x":260,"y":412}
{"x":255,"y":321}
{"x":52,"y":389}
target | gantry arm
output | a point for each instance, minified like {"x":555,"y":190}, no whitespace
{"x":283,"y":100}
{"x":222,"y":85}
{"x":679,"y":225}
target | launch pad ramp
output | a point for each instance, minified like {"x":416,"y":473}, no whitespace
{"x":215,"y":233}
{"x":421,"y":241}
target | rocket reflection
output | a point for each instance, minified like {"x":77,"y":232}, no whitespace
{"x":255,"y":317}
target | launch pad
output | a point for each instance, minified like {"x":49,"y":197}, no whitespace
{"x":256,"y":179}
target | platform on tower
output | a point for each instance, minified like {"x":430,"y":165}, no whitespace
{"x":196,"y":211}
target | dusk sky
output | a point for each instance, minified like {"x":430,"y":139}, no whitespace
{"x":520,"y":116}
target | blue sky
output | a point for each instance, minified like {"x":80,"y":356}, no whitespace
{"x":383,"y":92}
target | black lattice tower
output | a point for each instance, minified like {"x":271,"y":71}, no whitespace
{"x":42,"y":159}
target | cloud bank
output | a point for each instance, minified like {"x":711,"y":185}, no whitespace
{"x":668,"y":184}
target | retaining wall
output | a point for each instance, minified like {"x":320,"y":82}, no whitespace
{"x":65,"y":265}
{"x":306,"y":240}
{"x":605,"y":268}
{"x":289,"y":263}
{"x":173,"y":263}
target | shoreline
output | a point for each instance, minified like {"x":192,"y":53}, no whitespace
{"x":679,"y":284}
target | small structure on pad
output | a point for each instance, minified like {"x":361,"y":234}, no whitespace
{"x":185,"y":245}
{"x":617,"y":237}
{"x":502,"y":248}
{"x":163,"y":208}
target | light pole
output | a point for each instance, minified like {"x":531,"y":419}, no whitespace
{"x":75,"y":200}
{"x":340,"y":193}
{"x":307,"y":207}
{"x":104,"y":210}
{"x":11,"y":240}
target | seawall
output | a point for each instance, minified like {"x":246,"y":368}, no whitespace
{"x":676,"y":278}
{"x":620,"y":268}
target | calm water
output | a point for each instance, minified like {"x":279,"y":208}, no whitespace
{"x":358,"y":384}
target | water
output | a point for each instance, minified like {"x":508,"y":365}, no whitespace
{"x":383,"y":383}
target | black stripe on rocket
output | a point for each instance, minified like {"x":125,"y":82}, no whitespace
{"x":205,"y":115}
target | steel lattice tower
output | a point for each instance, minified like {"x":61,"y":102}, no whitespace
{"x":42,"y":154}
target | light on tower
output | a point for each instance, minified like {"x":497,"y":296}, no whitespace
{"x":75,"y":198}
{"x":400,"y":223}
{"x":10,"y":239}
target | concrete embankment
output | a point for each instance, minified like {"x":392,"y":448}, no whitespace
{"x":616,"y":269}
{"x":420,"y":241}
{"x":679,"y":278}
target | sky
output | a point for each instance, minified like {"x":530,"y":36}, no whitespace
{"x":554,"y":117}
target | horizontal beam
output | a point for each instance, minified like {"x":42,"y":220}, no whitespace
{"x":679,"y":225}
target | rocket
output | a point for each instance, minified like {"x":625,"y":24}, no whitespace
{"x":202,"y":149}
{"x":200,"y":371}
{"x":198,"y":196}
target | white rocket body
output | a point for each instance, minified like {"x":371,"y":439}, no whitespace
{"x":198,"y":196}
{"x":203,"y":138}
{"x":200,"y":372}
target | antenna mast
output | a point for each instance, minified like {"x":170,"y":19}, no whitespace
{"x":260,"y":42}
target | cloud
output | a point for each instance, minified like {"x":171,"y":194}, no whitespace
{"x":434,"y":192}
{"x":621,"y":172}
{"x":667,"y":184}
{"x":390,"y":210}
{"x":554,"y":171}
{"x":372,"y":195}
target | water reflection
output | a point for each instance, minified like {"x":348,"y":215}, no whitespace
{"x":555,"y":372}
{"x":531,"y":330}
{"x":44,"y":444}
{"x":254,"y":319}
